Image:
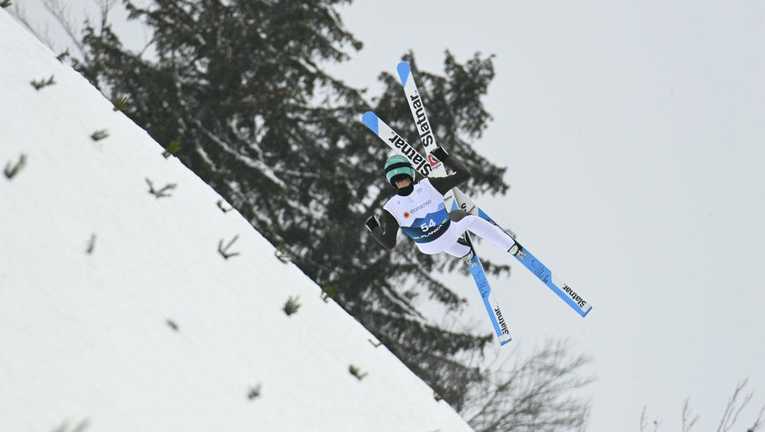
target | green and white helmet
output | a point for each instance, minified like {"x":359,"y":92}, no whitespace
{"x":397,"y":165}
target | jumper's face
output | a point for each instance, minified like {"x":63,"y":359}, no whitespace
{"x":403,"y":182}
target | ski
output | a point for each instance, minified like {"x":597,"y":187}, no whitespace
{"x":417,"y":108}
{"x":536,"y":267}
{"x":425,"y":131}
{"x":501,"y":326}
{"x":493,"y":310}
{"x":425,"y":167}
{"x":397,"y":143}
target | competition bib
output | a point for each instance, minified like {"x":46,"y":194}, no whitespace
{"x":422,"y":214}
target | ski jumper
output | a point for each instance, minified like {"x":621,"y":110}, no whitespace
{"x":423,"y":217}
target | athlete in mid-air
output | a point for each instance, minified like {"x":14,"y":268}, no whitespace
{"x":418,"y":208}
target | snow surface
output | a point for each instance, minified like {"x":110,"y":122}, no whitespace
{"x":89,"y":337}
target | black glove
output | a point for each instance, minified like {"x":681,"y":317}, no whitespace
{"x":440,"y":154}
{"x":372,"y":224}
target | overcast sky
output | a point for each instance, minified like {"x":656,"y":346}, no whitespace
{"x":633,"y":133}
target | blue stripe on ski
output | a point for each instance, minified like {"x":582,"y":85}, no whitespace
{"x":370,"y":120}
{"x":403,"y":72}
{"x":479,"y":276}
{"x":476,"y":269}
{"x":483,"y":214}
{"x":545,"y":275}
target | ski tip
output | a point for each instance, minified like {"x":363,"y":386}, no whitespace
{"x":586,"y":311}
{"x":403,"y":72}
{"x":370,"y":120}
{"x":505,"y":341}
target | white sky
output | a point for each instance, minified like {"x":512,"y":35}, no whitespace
{"x":633,"y":133}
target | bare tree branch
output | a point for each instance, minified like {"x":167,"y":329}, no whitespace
{"x":643,"y":418}
{"x":60,"y":11}
{"x":538,"y":393}
{"x":758,"y":421}
{"x":104,"y":7}
{"x":688,"y":420}
{"x":734,"y":407}
{"x":738,"y":401}
{"x":21,"y":15}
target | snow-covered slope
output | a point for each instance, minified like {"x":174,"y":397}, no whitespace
{"x":117,"y":309}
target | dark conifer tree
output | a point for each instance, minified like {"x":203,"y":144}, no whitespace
{"x":240,"y":91}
